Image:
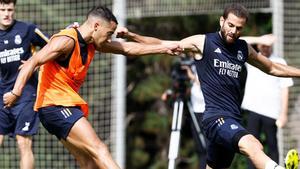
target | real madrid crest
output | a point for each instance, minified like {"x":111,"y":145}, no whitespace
{"x":18,"y":39}
{"x":240,"y":55}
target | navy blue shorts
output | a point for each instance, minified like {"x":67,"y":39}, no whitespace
{"x":20,"y":119}
{"x":59,"y":120}
{"x":223,"y":135}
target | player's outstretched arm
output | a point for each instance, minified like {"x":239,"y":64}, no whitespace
{"x":139,"y":49}
{"x":269,"y":67}
{"x":124,"y":33}
{"x":192,"y":44}
{"x":57,"y":47}
{"x":268,"y":39}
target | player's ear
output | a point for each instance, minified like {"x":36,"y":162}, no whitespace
{"x":221,"y":21}
{"x":96,"y":26}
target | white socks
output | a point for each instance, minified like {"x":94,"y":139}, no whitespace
{"x":272,"y":165}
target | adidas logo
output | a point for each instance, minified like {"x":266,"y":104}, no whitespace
{"x":218,"y":50}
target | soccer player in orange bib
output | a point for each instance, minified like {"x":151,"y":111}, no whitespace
{"x":64,"y":64}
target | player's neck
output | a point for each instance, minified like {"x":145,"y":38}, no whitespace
{"x":85,"y":32}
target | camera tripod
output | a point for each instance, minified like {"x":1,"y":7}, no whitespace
{"x":176,"y":128}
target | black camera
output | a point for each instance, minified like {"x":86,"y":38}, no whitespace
{"x":179,"y":75}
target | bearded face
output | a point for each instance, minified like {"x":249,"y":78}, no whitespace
{"x":231,"y":28}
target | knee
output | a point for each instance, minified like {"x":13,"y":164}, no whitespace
{"x":250,"y":146}
{"x":24,"y":143}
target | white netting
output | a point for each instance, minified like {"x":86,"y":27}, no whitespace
{"x":150,"y":8}
{"x":291,"y":41}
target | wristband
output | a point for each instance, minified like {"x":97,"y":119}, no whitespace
{"x":14,"y":94}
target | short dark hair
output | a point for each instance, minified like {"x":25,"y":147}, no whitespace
{"x":8,"y":1}
{"x":103,"y":12}
{"x":236,"y":9}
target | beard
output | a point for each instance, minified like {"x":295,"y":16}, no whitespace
{"x":224,"y":36}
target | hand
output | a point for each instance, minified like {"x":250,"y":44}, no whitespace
{"x":9,"y":99}
{"x":164,"y":96}
{"x":73,"y":25}
{"x":281,"y":121}
{"x":174,"y":49}
{"x":23,"y":62}
{"x":121,"y":32}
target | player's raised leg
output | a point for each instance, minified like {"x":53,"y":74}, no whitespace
{"x":87,"y":148}
{"x":253,"y":149}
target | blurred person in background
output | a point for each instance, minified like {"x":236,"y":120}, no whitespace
{"x":266,"y":99}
